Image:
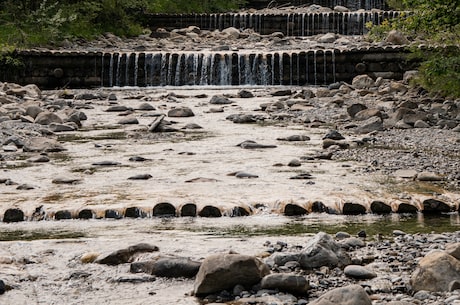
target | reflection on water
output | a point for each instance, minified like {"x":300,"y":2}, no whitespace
{"x":314,"y":223}
{"x":258,"y":225}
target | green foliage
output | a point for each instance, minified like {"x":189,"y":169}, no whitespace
{"x":441,"y":73}
{"x":436,"y":22}
{"x":8,"y":60}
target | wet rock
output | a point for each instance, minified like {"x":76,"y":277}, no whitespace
{"x":291,"y":283}
{"x":220,"y":100}
{"x":192,"y":126}
{"x":223,"y":271}
{"x":350,"y":208}
{"x":210,"y":211}
{"x":66,"y":180}
{"x":334,"y":135}
{"x":13,"y":215}
{"x":138,"y":159}
{"x":242,"y":118}
{"x":141,"y":177}
{"x":435,"y":272}
{"x":363,"y":82}
{"x":181,"y":112}
{"x":348,"y":295}
{"x":435,"y":206}
{"x":128,"y":121}
{"x":249,"y":144}
{"x":322,"y":250}
{"x":283,"y":92}
{"x":295,"y":138}
{"x":170,"y":267}
{"x":294,"y":163}
{"x":63,"y":214}
{"x":164,"y":209}
{"x":106,"y":163}
{"x":243,"y":175}
{"x":126,"y":255}
{"x":245,"y":94}
{"x":231,"y":32}
{"x":2,"y":287}
{"x":359,"y":272}
{"x":380,"y":207}
{"x":302,"y":176}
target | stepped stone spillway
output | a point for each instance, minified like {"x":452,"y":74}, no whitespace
{"x":290,"y":24}
{"x":54,"y":69}
{"x":351,"y":4}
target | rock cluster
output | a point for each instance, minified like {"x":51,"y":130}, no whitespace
{"x":326,"y":270}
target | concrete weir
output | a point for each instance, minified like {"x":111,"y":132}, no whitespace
{"x":291,"y":24}
{"x":58,"y":69}
{"x":424,"y":205}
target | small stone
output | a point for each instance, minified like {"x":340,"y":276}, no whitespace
{"x":89,"y":257}
{"x":294,"y":163}
{"x":2,"y":287}
{"x":399,"y":233}
{"x":359,"y":272}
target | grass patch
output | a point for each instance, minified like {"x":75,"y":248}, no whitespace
{"x":393,"y":185}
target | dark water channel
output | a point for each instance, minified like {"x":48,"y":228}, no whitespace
{"x":264,"y":225}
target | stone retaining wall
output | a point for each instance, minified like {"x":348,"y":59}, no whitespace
{"x":56,"y":69}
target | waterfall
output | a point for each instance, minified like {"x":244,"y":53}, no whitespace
{"x":222,"y":69}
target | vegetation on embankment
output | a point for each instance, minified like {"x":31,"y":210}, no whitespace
{"x":50,"y":22}
{"x":437,"y":23}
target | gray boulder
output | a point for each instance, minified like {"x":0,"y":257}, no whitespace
{"x":359,"y":272}
{"x":435,"y":272}
{"x":170,"y":267}
{"x":323,"y":250}
{"x":295,"y":284}
{"x":348,"y":295}
{"x":370,"y":125}
{"x":220,"y":100}
{"x":223,"y":271}
{"x":181,"y":112}
{"x":46,"y":118}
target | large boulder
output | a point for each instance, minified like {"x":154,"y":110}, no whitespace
{"x":435,"y":272}
{"x":224,"y":271}
{"x":348,"y":295}
{"x":323,"y":250}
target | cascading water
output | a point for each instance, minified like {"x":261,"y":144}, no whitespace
{"x":218,"y":69}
